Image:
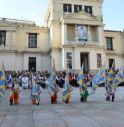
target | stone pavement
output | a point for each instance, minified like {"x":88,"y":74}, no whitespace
{"x":95,"y":113}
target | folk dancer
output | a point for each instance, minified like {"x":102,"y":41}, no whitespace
{"x":110,"y":94}
{"x":67,"y":89}
{"x":16,"y":91}
{"x":83,"y":87}
{"x":36,"y":90}
{"x":53,"y":87}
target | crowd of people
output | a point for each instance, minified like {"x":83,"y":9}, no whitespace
{"x":24,"y":78}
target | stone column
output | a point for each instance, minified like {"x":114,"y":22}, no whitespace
{"x":8,"y":39}
{"x":100,"y":35}
{"x":72,"y":8}
{"x":13,"y":38}
{"x":25,"y":62}
{"x":83,"y":7}
{"x":63,"y":59}
{"x":64,"y":34}
{"x":27,"y":39}
{"x":76,"y":33}
{"x":76,"y":58}
{"x":89,"y":34}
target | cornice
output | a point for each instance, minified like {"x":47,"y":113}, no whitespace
{"x":114,"y":54}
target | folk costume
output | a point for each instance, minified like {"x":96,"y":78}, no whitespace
{"x":11,"y":98}
{"x":82,"y":86}
{"x":16,"y":90}
{"x":53,"y":87}
{"x":67,"y":89}
{"x":110,"y":94}
{"x":35,"y":92}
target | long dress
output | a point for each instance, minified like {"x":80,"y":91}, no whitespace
{"x":16,"y":94}
{"x":35,"y":93}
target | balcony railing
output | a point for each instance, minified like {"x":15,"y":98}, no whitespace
{"x":82,"y":43}
{"x":18,"y":21}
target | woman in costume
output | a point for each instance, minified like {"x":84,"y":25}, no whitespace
{"x":35,"y":92}
{"x":16,"y":90}
{"x":53,"y":87}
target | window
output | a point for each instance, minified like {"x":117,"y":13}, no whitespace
{"x":77,"y":8}
{"x":2,"y":37}
{"x":69,"y":60}
{"x":67,"y":8}
{"x":111,"y":61}
{"x":99,"y":60}
{"x":32,"y":40}
{"x":88,"y":9}
{"x":109,"y":43}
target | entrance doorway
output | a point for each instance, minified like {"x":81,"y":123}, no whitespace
{"x":111,"y":61}
{"x":84,"y":60}
{"x":32,"y":64}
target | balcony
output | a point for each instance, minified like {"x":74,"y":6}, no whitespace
{"x":82,"y":43}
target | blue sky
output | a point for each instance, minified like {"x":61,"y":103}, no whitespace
{"x":35,"y":10}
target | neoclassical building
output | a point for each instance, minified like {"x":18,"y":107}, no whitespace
{"x":73,"y":35}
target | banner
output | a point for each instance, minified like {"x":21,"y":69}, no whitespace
{"x":2,"y":81}
{"x":82,"y":33}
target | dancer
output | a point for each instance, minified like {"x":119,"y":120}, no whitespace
{"x":36,"y":90}
{"x":53,"y":87}
{"x":67,"y":89}
{"x":111,"y":89}
{"x":11,"y":98}
{"x":110,"y":94}
{"x":82,"y":86}
{"x":16,"y":90}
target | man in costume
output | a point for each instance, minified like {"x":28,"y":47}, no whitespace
{"x":110,"y":94}
{"x":67,"y":89}
{"x":112,"y":83}
{"x":53,"y":87}
{"x":83,"y":86}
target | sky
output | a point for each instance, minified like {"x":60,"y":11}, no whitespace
{"x":35,"y":10}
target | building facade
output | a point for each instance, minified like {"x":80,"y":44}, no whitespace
{"x":73,"y":35}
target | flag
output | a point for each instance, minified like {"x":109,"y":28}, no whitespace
{"x":110,"y":85}
{"x":2,"y":81}
{"x":99,"y":78}
{"x":110,"y":76}
{"x":80,"y":77}
{"x":52,"y":80}
{"x":67,"y":88}
{"x":3,"y":67}
{"x":119,"y":77}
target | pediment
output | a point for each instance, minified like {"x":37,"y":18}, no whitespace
{"x":80,"y":15}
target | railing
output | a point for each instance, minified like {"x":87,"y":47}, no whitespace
{"x":82,"y":43}
{"x":17,"y":21}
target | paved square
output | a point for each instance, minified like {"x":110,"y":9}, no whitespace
{"x":95,"y":113}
